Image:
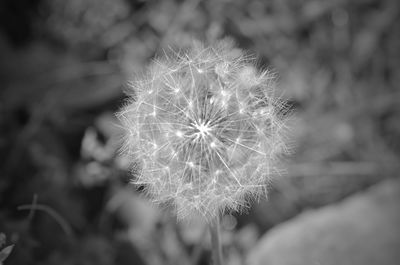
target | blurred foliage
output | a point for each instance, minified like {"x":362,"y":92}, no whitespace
{"x":5,"y":250}
{"x":63,"y":69}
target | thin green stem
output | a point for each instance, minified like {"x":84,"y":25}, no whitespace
{"x":216,"y":248}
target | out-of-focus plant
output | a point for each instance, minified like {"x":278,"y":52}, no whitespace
{"x":80,"y":22}
{"x":204,"y":131}
{"x":6,"y":251}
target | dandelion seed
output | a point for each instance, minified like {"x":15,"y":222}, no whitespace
{"x":206,"y":130}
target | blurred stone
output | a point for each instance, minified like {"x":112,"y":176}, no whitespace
{"x":363,"y":229}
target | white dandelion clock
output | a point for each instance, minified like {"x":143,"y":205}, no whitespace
{"x":204,"y":130}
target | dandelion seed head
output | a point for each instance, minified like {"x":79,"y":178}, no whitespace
{"x":204,"y":130}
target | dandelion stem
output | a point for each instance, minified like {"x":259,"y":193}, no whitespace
{"x":216,"y":248}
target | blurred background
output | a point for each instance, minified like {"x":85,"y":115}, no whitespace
{"x":65,"y":196}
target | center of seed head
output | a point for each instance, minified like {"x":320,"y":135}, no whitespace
{"x":202,"y":128}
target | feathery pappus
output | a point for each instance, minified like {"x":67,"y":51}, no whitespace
{"x":204,"y":129}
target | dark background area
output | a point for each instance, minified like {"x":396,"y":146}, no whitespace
{"x":65,"y":64}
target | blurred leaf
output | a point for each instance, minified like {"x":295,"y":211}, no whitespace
{"x":5,"y":252}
